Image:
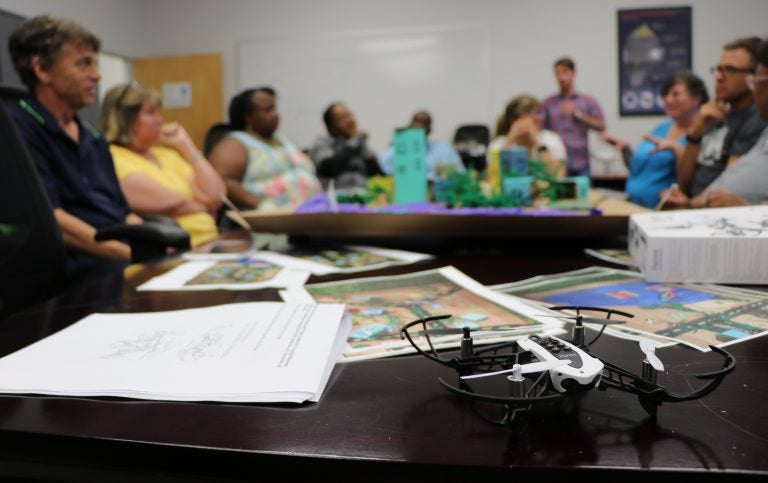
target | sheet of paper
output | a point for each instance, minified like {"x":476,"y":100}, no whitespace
{"x":619,"y":257}
{"x":381,"y":306}
{"x":693,"y":314}
{"x":325,"y":260}
{"x":249,"y":352}
{"x":229,"y":273}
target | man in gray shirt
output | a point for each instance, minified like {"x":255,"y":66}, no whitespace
{"x":726,"y":127}
{"x":746,"y":182}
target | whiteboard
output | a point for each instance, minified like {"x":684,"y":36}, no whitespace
{"x":382,"y":76}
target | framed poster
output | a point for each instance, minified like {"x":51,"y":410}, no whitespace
{"x":654,"y":43}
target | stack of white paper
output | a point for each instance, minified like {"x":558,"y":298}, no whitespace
{"x":249,"y":352}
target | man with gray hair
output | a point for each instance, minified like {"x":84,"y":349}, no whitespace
{"x":57,"y":60}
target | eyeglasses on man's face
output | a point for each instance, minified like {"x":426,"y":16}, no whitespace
{"x":753,"y":80}
{"x":729,"y":69}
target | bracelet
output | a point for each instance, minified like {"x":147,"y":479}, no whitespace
{"x":693,"y":139}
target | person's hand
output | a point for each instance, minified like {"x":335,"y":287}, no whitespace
{"x":674,"y":199}
{"x":568,"y":108}
{"x":523,"y":132}
{"x":662,"y":144}
{"x":718,"y":198}
{"x":174,"y":135}
{"x":709,"y":113}
{"x":614,"y":141}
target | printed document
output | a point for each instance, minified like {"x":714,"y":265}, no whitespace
{"x":247,"y":352}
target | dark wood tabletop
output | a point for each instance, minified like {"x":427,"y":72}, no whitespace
{"x":384,"y":420}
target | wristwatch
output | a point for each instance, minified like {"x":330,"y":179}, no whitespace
{"x":692,"y":139}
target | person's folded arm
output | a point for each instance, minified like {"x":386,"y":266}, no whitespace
{"x":719,"y":198}
{"x":229,"y":158}
{"x":145,"y":195}
{"x":207,"y":185}
{"x":79,"y":235}
{"x":332,"y":157}
{"x":686,"y":166}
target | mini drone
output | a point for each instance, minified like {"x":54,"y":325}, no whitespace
{"x":539,"y":369}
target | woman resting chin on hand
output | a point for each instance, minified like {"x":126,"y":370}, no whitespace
{"x":175,"y":181}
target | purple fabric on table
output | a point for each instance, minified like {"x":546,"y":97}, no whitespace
{"x":319,"y":204}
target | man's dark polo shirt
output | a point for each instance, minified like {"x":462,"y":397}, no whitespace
{"x":78,"y":177}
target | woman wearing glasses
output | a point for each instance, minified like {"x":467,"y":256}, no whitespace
{"x":174,"y":179}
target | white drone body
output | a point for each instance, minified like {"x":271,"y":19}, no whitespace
{"x":583,"y":372}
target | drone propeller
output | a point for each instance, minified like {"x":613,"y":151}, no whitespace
{"x":520,"y":369}
{"x":650,"y":354}
{"x":588,"y":320}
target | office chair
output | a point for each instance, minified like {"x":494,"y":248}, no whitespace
{"x":32,"y":253}
{"x":31,"y":249}
{"x":214,"y":134}
{"x":471,"y":141}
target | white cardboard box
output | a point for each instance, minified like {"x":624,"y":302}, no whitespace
{"x":718,"y":245}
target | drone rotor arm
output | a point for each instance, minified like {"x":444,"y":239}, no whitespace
{"x":498,"y":399}
{"x":618,"y":378}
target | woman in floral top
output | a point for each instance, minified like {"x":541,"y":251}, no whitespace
{"x":262,"y":170}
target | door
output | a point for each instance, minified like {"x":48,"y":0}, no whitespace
{"x":191,"y":87}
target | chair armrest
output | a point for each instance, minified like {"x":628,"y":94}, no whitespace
{"x":148,"y":240}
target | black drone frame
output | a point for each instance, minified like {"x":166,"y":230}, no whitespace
{"x":538,"y":388}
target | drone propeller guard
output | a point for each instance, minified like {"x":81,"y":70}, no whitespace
{"x":542,"y":384}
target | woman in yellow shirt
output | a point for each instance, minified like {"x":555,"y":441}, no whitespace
{"x":175,"y":181}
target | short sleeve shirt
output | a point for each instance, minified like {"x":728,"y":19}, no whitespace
{"x":734,"y":137}
{"x":749,"y":177}
{"x":574,"y":133}
{"x":79,"y":177}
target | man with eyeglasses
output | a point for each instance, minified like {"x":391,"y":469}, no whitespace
{"x":56,"y":60}
{"x":726,"y":127}
{"x":747,"y":181}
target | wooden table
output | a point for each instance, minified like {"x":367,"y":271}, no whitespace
{"x":381,"y":420}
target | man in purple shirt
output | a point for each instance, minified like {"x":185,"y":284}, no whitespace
{"x":572,"y":114}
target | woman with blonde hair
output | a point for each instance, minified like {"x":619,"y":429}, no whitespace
{"x":520,"y":125}
{"x":174,"y":180}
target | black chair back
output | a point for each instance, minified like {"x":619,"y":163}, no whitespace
{"x":215,"y":133}
{"x":471,"y":141}
{"x":32,"y":258}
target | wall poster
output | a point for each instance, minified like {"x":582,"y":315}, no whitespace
{"x":654,"y":43}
